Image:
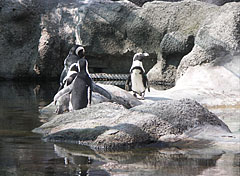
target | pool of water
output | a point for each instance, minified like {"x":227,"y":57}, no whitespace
{"x":23,"y":153}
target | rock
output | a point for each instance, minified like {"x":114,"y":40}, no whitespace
{"x":210,"y":72}
{"x":217,"y":2}
{"x":112,"y":31}
{"x":140,"y":29}
{"x":110,"y":126}
{"x":173,"y":47}
{"x":34,"y":38}
{"x":20,"y":31}
{"x":217,"y":48}
{"x":118,"y":96}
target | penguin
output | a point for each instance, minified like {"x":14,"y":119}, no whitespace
{"x":76,"y":52}
{"x":137,"y":79}
{"x":75,"y":94}
{"x":81,"y":93}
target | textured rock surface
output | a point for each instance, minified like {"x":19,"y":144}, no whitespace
{"x":118,"y":96}
{"x":217,"y":2}
{"x":36,"y":35}
{"x":213,"y":44}
{"x":107,"y":125}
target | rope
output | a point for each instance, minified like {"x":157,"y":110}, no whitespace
{"x":108,"y":76}
{"x":116,"y":83}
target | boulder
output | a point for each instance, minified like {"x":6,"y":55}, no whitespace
{"x":111,"y":126}
{"x":19,"y":26}
{"x":173,"y":47}
{"x":117,"y":95}
{"x":210,"y":72}
{"x":36,"y":36}
{"x":217,"y":2}
{"x":137,"y":29}
{"x":217,"y":48}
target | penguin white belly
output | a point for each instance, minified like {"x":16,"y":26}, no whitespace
{"x":137,"y":81}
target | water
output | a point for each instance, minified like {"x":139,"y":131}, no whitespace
{"x":23,"y":153}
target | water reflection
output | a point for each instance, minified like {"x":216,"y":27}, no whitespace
{"x":22,"y":153}
{"x":150,"y":161}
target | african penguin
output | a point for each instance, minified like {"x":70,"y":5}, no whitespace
{"x":81,"y":93}
{"x":76,"y":52}
{"x":138,"y":78}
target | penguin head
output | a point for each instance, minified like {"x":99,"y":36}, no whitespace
{"x":140,"y":56}
{"x":80,"y":51}
{"x":77,"y":50}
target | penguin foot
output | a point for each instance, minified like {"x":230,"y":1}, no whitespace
{"x":57,"y":111}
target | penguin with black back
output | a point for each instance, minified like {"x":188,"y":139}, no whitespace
{"x":137,"y":79}
{"x":81,"y":93}
{"x":76,"y":52}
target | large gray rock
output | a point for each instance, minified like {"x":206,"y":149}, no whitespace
{"x":19,"y":26}
{"x":117,"y":95}
{"x":217,"y":2}
{"x":136,"y":29}
{"x":173,"y":47}
{"x":108,"y":125}
{"x":217,"y":48}
{"x":36,"y":35}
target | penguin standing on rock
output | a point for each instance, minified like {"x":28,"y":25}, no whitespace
{"x":81,"y":93}
{"x":138,"y":78}
{"x":76,"y":52}
{"x":77,"y":91}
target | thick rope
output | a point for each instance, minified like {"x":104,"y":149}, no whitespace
{"x":108,"y":76}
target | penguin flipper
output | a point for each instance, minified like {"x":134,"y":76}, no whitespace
{"x":67,"y":89}
{"x":90,"y":94}
{"x":128,"y":83}
{"x":100,"y":90}
{"x":71,"y":78}
{"x":63,"y":75}
{"x":146,"y":82}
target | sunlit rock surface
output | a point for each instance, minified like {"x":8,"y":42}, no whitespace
{"x":111,"y":126}
{"x":112,"y":31}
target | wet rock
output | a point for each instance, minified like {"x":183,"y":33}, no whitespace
{"x":110,"y":126}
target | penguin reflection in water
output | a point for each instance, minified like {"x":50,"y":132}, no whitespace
{"x":77,"y":93}
{"x":137,"y":79}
